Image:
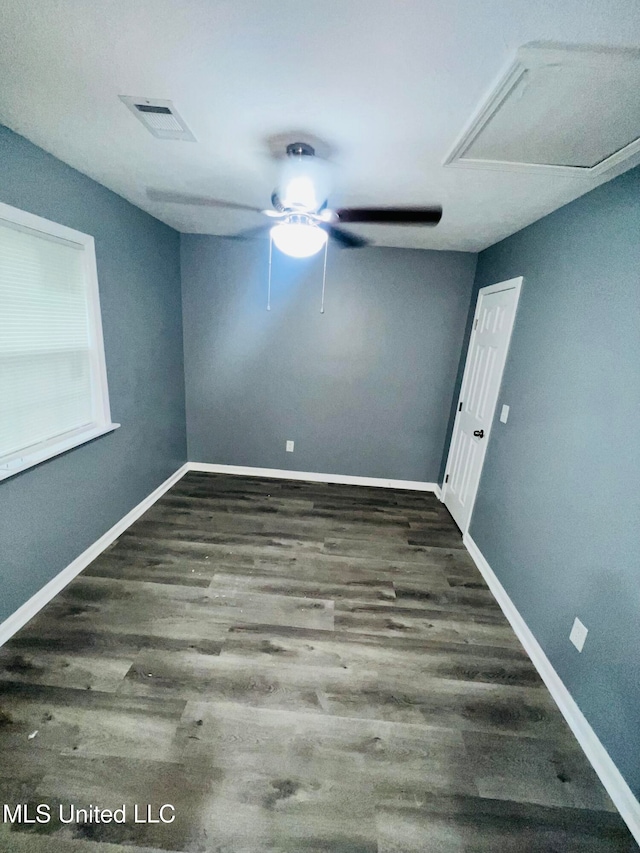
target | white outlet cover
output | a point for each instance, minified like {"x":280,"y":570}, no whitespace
{"x":289,"y":447}
{"x":504,"y":414}
{"x":578,"y":634}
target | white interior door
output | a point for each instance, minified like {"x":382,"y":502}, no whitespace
{"x":486,"y":356}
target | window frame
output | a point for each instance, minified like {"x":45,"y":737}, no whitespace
{"x":34,"y":454}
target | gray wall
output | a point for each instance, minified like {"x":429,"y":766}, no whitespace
{"x":558,"y":511}
{"x":364,"y":389}
{"x":51,"y":513}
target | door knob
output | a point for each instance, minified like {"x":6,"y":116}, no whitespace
{"x":479,"y":433}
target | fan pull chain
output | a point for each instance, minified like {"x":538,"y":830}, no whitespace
{"x":269,"y":285}
{"x":324,"y":275}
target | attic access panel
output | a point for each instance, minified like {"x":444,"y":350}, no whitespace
{"x":567,"y":109}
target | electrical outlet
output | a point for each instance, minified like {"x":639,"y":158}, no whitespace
{"x":578,"y":634}
{"x":289,"y":447}
{"x":504,"y":414}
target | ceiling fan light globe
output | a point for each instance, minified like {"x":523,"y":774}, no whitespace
{"x":298,"y":240}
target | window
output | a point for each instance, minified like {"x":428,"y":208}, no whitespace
{"x":53,"y":381}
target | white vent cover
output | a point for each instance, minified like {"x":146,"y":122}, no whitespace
{"x":566,"y":109}
{"x":159,"y":117}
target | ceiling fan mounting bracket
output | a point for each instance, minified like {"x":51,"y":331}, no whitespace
{"x":300,"y":149}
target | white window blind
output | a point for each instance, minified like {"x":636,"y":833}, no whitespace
{"x":53,"y":392}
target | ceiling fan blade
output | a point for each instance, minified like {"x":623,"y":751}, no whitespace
{"x":344,"y":238}
{"x":391,"y":215}
{"x":197,"y":200}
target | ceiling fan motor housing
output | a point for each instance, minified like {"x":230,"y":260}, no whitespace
{"x":304,"y":181}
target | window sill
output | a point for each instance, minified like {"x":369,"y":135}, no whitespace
{"x":9,"y":469}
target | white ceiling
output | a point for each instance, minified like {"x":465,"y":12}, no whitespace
{"x":388,"y":84}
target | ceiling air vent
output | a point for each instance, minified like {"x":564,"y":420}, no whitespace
{"x":159,"y":117}
{"x":559,"y":109}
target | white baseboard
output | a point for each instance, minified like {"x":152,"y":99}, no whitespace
{"x":28,"y":610}
{"x":314,"y":477}
{"x":601,"y":761}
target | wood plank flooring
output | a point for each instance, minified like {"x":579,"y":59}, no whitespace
{"x":297,"y":668}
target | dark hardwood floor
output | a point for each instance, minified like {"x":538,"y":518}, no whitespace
{"x":297,"y":668}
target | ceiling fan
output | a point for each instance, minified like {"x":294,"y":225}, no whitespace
{"x":299,"y":206}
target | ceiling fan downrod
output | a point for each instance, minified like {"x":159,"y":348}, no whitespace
{"x":300,"y":149}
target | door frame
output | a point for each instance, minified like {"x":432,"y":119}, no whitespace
{"x":509,"y":284}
